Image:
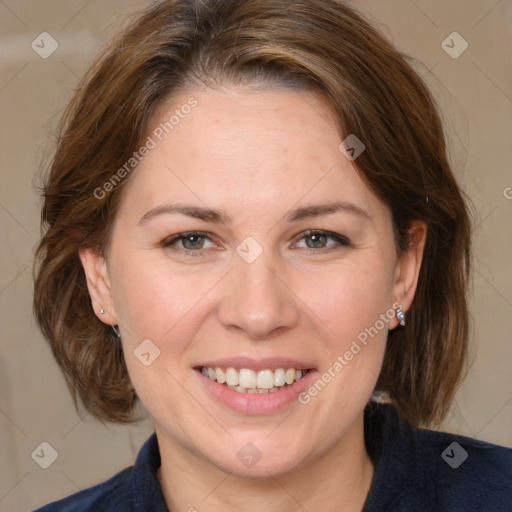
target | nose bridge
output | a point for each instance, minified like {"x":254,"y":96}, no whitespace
{"x":258,"y":302}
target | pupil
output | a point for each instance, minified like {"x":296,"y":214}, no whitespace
{"x":317,"y":239}
{"x":190,"y":243}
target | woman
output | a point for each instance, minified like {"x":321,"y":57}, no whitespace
{"x":252,"y":227}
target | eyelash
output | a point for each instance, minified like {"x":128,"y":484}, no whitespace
{"x":171,"y":242}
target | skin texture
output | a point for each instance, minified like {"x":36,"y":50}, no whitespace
{"x":255,"y":154}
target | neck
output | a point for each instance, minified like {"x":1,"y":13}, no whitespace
{"x":337,"y":480}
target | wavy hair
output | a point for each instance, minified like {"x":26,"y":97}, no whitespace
{"x":318,"y":45}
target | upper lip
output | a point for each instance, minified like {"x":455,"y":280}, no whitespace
{"x":271,"y":363}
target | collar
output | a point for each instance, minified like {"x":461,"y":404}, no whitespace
{"x":382,"y":429}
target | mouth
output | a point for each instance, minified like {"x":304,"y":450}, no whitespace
{"x":249,"y":380}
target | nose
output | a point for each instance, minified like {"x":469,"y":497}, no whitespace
{"x":258,"y":301}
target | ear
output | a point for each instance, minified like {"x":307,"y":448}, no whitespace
{"x":408,"y":267}
{"x":98,"y":284}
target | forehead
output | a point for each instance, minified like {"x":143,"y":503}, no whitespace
{"x":251,"y":147}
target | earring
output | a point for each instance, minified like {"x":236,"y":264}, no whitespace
{"x":400,"y":315}
{"x":115,"y":328}
{"x":102,"y":311}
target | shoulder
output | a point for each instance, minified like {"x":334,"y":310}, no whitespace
{"x":423,"y":469}
{"x":133,"y":489}
{"x":111,"y":495}
{"x":467,"y":471}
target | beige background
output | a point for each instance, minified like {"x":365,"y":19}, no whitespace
{"x":475,"y":93}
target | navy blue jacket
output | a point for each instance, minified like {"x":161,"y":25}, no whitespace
{"x":417,"y":470}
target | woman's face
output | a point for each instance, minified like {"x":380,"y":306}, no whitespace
{"x":288,"y":263}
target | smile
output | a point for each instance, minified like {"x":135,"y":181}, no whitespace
{"x":246,"y":380}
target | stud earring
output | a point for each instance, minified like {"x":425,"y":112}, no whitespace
{"x":400,"y":315}
{"x":102,"y":311}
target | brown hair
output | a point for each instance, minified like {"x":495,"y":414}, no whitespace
{"x":319,"y":45}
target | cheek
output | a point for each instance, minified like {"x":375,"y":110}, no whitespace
{"x":153,"y":305}
{"x":354,"y":306}
{"x":351,"y":297}
{"x":150,"y":299}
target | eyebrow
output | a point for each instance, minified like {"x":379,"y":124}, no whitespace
{"x":220,"y":216}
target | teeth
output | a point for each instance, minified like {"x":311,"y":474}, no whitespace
{"x":279,"y":376}
{"x":246,"y":380}
{"x":289,"y":376}
{"x":231,"y":377}
{"x":265,"y":379}
{"x":221,"y":376}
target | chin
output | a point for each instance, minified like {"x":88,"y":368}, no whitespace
{"x":258,"y":459}
{"x":261,"y":469}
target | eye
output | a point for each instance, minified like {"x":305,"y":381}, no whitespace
{"x":191,"y":241}
{"x":317,"y":239}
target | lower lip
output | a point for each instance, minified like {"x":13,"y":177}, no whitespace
{"x":256,"y":403}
